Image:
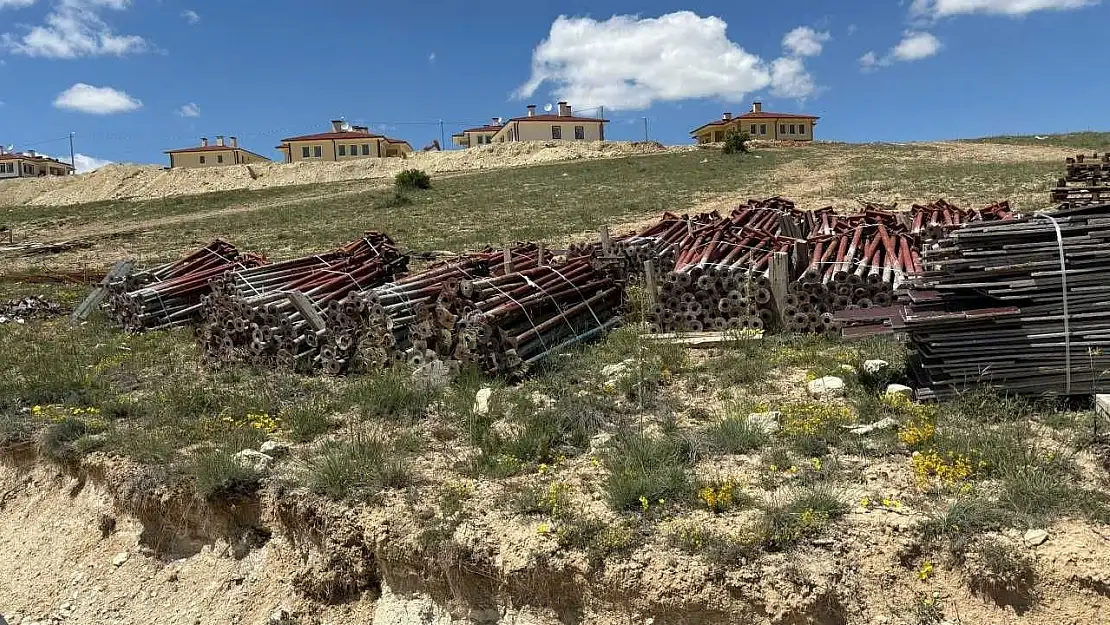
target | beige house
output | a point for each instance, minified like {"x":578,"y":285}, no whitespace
{"x":759,"y":124}
{"x":343,"y":143}
{"x":216,"y":155}
{"x":31,"y":165}
{"x":477,"y":136}
{"x":562,"y":127}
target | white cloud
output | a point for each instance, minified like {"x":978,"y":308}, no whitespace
{"x":74,"y":29}
{"x":15,"y":4}
{"x":915,"y":46}
{"x":432,"y":57}
{"x":96,"y":100}
{"x":189,"y":110}
{"x":789,"y":79}
{"x":804,"y":41}
{"x":190,"y":16}
{"x":629,"y":62}
{"x":84,"y":163}
{"x":945,"y":8}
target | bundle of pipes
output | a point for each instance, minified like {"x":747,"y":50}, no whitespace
{"x":1021,"y":305}
{"x":720,"y":276}
{"x":935,"y":219}
{"x":507,"y":324}
{"x":371,"y":329}
{"x":1086,"y":181}
{"x":272,"y":313}
{"x":170,"y":295}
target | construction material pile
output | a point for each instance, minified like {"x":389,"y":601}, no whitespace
{"x":724,"y":274}
{"x":1021,"y":305}
{"x":1086,"y":181}
{"x":272,"y":313}
{"x":170,"y":295}
{"x":28,"y":308}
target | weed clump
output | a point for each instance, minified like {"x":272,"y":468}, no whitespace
{"x":804,"y":516}
{"x":358,"y":469}
{"x":736,"y":434}
{"x":218,"y":476}
{"x":1001,"y":572}
{"x":645,"y":472}
{"x":412,"y":180}
{"x":736,"y":143}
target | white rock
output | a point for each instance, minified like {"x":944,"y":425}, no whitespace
{"x":254,"y":459}
{"x":899,"y":389}
{"x":882,"y":424}
{"x":274,"y":448}
{"x":481,"y":400}
{"x":281,"y":616}
{"x":120,"y":558}
{"x":434,"y":375}
{"x":828,"y":386}
{"x":1035,"y":537}
{"x":614,"y":370}
{"x":849,"y":369}
{"x":874,"y":367}
{"x":767,"y":421}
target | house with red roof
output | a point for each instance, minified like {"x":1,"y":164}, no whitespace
{"x":759,"y":124}
{"x":31,"y":165}
{"x":217,"y":155}
{"x":479,"y":135}
{"x":342,"y":143}
{"x":563,"y":126}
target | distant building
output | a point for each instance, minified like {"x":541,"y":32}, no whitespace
{"x":218,"y":155}
{"x":341,"y":144}
{"x":759,"y":125}
{"x":31,"y":165}
{"x":562,"y":127}
{"x":477,"y":136}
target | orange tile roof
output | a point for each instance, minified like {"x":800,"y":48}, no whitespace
{"x":557,"y":118}
{"x":753,"y":115}
{"x":350,"y":134}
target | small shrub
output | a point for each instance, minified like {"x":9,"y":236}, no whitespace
{"x":925,"y":610}
{"x":959,"y":522}
{"x":723,"y":495}
{"x":391,"y":395}
{"x":736,"y":143}
{"x":397,"y":199}
{"x":218,"y":475}
{"x":1001,"y":572}
{"x":357,"y":469}
{"x":15,"y":430}
{"x":806,"y":515}
{"x":644,"y":471}
{"x":62,"y":440}
{"x":817,"y":419}
{"x":550,"y":499}
{"x":305,"y":420}
{"x":412,"y":179}
{"x":736,"y":435}
{"x":945,"y":469}
{"x":717,"y":548}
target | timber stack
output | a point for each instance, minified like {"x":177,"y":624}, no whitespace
{"x":1021,"y":305}
{"x":1086,"y":181}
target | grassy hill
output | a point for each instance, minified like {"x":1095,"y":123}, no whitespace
{"x":1081,"y":141}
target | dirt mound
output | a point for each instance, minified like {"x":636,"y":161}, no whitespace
{"x":146,"y":182}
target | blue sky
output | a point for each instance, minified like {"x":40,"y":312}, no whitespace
{"x":132,"y":78}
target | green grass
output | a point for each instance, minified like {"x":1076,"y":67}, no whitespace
{"x":645,"y":471}
{"x":358,"y":468}
{"x":1083,"y":142}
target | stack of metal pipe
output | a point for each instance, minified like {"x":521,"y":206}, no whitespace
{"x":507,"y":324}
{"x":170,"y":295}
{"x":936,"y":219}
{"x":274,"y":314}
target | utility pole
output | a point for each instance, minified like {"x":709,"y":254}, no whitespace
{"x":645,"y":129}
{"x":442,"y":143}
{"x":72,"y":161}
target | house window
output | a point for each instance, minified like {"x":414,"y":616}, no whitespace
{"x":580,"y":132}
{"x":763,"y":129}
{"x":366,"y":149}
{"x":343,"y":150}
{"x":801,"y":129}
{"x":219,"y":158}
{"x":317,"y":151}
{"x":305,"y":153}
{"x":6,"y":168}
{"x":782,"y":129}
{"x":556,"y":132}
{"x":202,"y":160}
{"x":793,"y":128}
{"x":753,"y":129}
{"x":354,"y":150}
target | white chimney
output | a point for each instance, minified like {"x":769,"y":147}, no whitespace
{"x":757,"y":107}
{"x":337,"y":125}
{"x":220,"y":140}
{"x":564,"y":109}
{"x":496,"y":121}
{"x":204,"y":142}
{"x":531,"y":110}
{"x":31,"y":153}
{"x":234,"y":142}
{"x":726,"y":116}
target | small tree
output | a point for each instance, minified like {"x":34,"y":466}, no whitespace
{"x":736,"y":142}
{"x":412,"y":179}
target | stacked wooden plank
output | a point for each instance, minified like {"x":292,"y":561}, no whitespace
{"x":1086,"y":181}
{"x":1023,"y":305}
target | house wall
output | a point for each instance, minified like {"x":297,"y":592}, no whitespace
{"x":478,"y":138}
{"x":395,"y":149}
{"x":803,"y":129}
{"x":329,"y":149}
{"x":542,"y":131}
{"x":31,"y":169}
{"x":211,"y":158}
